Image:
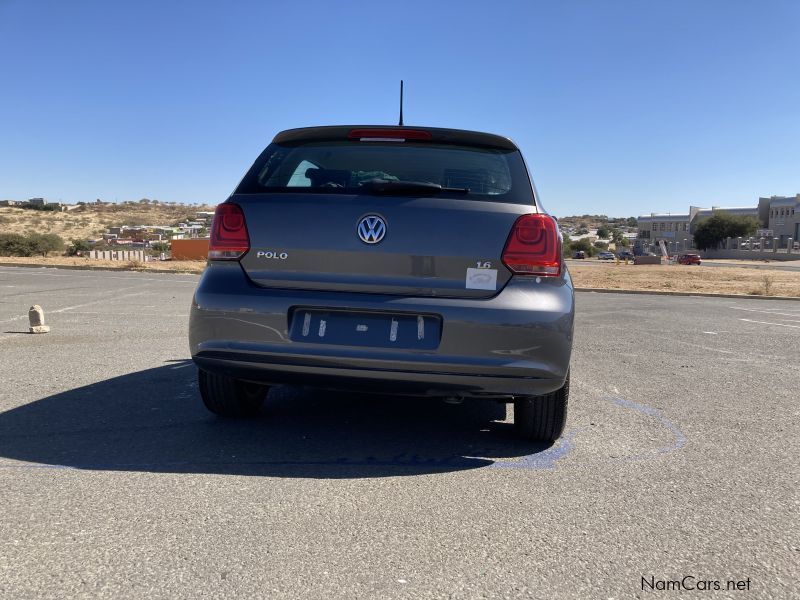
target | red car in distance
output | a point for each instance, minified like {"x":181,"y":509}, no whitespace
{"x":689,"y":259}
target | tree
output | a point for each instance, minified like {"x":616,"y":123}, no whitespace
{"x":14,"y":244}
{"x":709,"y":233}
{"x":601,"y":245}
{"x":584,"y":245}
{"x":603,"y":232}
{"x":44,"y":243}
{"x":78,"y":246}
{"x":633,"y":222}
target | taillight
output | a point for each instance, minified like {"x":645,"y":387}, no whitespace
{"x":229,"y":238}
{"x":534,"y":247}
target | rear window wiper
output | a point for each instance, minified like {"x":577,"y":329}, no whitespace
{"x":385,"y":186}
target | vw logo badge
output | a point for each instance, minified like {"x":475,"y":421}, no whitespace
{"x":371,"y":229}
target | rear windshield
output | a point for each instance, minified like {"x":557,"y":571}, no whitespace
{"x":354,"y":167}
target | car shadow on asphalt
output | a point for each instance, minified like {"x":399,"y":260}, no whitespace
{"x":154,"y":421}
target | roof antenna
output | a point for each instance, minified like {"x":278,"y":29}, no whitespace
{"x":401,"y":103}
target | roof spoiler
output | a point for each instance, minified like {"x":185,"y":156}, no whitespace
{"x":438,"y":135}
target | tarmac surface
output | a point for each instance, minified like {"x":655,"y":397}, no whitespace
{"x":679,"y":463}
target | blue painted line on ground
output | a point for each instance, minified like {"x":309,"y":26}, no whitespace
{"x":679,"y":440}
{"x":542,"y":460}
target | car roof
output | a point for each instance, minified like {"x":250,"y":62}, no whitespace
{"x":438,"y":134}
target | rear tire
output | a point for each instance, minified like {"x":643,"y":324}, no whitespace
{"x":542,"y":418}
{"x":229,"y":397}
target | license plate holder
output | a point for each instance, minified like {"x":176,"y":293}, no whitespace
{"x":364,"y":328}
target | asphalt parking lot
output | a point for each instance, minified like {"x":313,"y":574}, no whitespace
{"x":679,"y":459}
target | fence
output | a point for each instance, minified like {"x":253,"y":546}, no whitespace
{"x":756,"y":248}
{"x":117,"y":255}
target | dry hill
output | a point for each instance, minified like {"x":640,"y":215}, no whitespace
{"x":90,"y":220}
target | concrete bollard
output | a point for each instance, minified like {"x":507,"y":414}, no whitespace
{"x":36,"y":319}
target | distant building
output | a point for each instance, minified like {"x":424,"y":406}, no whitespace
{"x":782,"y":216}
{"x":674,"y":230}
{"x":779,"y":216}
{"x":701,"y":214}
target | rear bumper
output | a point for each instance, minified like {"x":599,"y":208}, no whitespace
{"x":258,"y":368}
{"x":517,"y":343}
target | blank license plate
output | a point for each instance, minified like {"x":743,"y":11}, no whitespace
{"x":366,"y":329}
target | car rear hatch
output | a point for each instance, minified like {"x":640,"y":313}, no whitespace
{"x":383,"y":210}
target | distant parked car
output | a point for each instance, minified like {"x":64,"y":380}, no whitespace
{"x":606,"y":256}
{"x":689,"y":259}
{"x":579,"y":254}
{"x":626,"y":255}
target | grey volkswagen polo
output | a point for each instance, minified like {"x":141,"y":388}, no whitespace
{"x":389,"y":259}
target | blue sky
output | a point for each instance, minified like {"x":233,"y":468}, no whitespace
{"x":620,"y":108}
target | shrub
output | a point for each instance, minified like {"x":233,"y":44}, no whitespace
{"x":45,"y":207}
{"x":14,"y":244}
{"x":45,"y":243}
{"x":78,"y":246}
{"x":584,"y":244}
{"x":768,"y":281}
